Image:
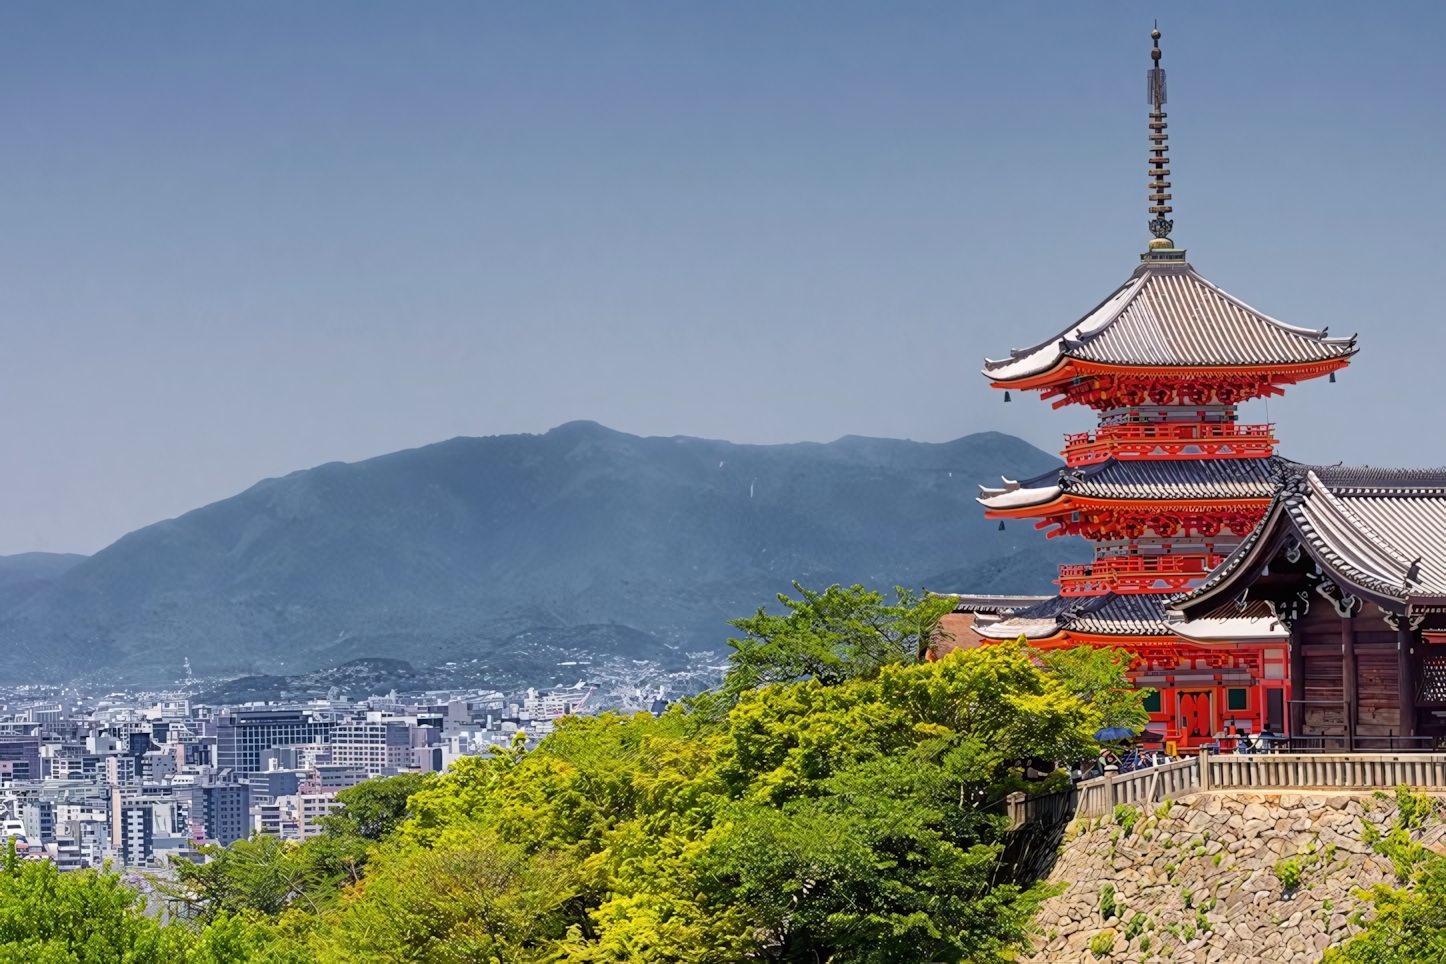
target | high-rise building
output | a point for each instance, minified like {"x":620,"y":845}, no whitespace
{"x":133,"y":833}
{"x":224,"y":810}
{"x":141,"y":817}
{"x":375,"y":746}
{"x":242,"y":736}
{"x":38,"y":816}
{"x":20,"y":756}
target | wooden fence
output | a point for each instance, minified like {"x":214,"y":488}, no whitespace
{"x":1274,"y":771}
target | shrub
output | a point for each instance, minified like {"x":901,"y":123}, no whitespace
{"x":1413,"y":810}
{"x":1288,"y":873}
{"x":1126,"y":816}
{"x":1189,"y":897}
{"x":1136,"y":926}
{"x":1102,"y":943}
{"x":1107,"y":901}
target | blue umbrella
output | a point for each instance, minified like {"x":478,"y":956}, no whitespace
{"x":1111,"y":733}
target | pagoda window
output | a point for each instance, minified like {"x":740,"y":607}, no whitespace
{"x":1237,"y":699}
{"x":1152,"y":702}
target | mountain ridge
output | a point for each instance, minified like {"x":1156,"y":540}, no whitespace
{"x":451,"y":548}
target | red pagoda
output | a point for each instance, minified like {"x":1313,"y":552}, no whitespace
{"x":1168,"y":485}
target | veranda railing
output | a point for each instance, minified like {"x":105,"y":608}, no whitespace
{"x":1272,"y":771}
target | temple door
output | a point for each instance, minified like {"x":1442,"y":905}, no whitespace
{"x":1196,"y":719}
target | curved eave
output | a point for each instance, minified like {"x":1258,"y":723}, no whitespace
{"x":1019,"y":498}
{"x":1062,"y":368}
{"x":1068,"y":368}
{"x":1069,"y":503}
{"x":1240,"y":630}
{"x":1074,"y":637}
{"x":1318,"y":546}
{"x":1033,"y":630}
{"x":1046,"y":634}
{"x":1243,"y":566}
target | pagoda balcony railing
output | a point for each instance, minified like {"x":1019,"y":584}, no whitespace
{"x":1172,"y":440}
{"x":1132,"y":574}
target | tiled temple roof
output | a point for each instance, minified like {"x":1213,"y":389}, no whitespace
{"x":1130,"y":615}
{"x":1107,"y":615}
{"x":994,"y":605}
{"x":1168,"y":315}
{"x":1135,"y":479}
{"x":1382,"y":531}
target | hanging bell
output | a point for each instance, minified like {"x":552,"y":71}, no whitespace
{"x":1333,"y":376}
{"x":1006,"y":391}
{"x":1001,"y":525}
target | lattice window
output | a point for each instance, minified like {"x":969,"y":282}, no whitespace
{"x":1433,"y":679}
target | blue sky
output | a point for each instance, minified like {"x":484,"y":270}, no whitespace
{"x":238,"y":240}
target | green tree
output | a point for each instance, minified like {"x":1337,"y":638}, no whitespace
{"x":841,"y":801}
{"x":373,"y":808}
{"x":243,"y":939}
{"x":470,"y":897}
{"x":81,"y":917}
{"x":1096,"y":675}
{"x":831,"y":636}
{"x":1409,"y":926}
{"x":262,"y":875}
{"x":851,"y":822}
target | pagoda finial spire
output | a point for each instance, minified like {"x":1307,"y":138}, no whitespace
{"x":1160,"y":226}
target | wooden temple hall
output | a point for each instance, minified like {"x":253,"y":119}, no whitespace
{"x":1253,"y":592}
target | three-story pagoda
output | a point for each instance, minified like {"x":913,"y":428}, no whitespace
{"x":1168,"y":484}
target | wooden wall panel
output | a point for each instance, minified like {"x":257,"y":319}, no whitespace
{"x":1378,"y":689}
{"x":1324,"y":693}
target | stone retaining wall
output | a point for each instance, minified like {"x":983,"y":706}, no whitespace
{"x":1197,"y":881}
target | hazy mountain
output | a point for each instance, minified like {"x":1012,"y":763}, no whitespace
{"x":35,"y":567}
{"x":456,"y":551}
{"x":26,"y":573}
